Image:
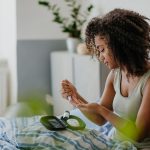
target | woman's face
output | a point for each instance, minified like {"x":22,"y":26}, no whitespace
{"x":104,"y":53}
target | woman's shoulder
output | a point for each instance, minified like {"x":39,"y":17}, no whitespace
{"x":113,"y":74}
{"x":146,"y":81}
{"x":116,"y":70}
{"x":146,"y":75}
{"x":148,"y":70}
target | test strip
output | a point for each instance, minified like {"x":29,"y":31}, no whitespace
{"x":69,"y":99}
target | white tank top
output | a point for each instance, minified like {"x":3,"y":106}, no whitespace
{"x":127,"y":107}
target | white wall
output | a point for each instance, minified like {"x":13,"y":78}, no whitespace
{"x":35,"y":21}
{"x":142,"y":6}
{"x":8,"y":41}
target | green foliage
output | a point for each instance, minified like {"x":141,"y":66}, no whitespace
{"x":73,"y":24}
{"x":33,"y":104}
{"x":129,"y":130}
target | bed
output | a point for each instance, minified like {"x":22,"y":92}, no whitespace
{"x":25,"y":133}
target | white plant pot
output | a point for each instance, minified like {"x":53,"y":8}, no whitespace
{"x":72,"y":44}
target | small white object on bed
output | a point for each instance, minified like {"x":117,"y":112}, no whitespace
{"x":89,"y":124}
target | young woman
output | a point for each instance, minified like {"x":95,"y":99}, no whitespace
{"x":121,"y":40}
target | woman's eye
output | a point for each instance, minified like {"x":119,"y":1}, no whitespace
{"x":101,"y":50}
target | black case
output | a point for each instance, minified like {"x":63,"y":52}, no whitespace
{"x":53,"y":123}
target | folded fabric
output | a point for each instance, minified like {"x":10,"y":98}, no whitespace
{"x":28,"y":133}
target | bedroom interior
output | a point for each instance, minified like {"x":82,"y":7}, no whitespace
{"x":35,"y":38}
{"x":34,"y":59}
{"x":32,"y":42}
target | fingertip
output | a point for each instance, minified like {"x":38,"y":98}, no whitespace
{"x":61,"y":82}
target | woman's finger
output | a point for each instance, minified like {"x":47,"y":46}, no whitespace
{"x":65,"y":82}
{"x":67,"y":87}
{"x":66,"y":93}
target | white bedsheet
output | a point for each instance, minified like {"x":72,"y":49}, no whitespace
{"x":29,"y":133}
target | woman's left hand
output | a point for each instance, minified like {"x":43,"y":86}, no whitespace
{"x":90,"y":107}
{"x":92,"y":112}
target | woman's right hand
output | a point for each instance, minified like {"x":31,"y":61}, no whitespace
{"x":68,"y":90}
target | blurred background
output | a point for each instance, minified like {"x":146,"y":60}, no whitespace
{"x":34,"y":57}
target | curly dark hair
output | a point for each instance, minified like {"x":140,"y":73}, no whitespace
{"x":128,"y":38}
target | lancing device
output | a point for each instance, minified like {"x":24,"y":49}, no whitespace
{"x":69,"y":99}
{"x":66,"y":115}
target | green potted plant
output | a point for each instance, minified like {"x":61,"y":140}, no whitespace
{"x":73,"y":24}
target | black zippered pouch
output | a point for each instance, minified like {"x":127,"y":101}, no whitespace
{"x":53,"y":123}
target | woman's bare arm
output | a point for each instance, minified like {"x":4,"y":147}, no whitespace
{"x":143,"y":116}
{"x":106,"y":101}
{"x":134,"y":130}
